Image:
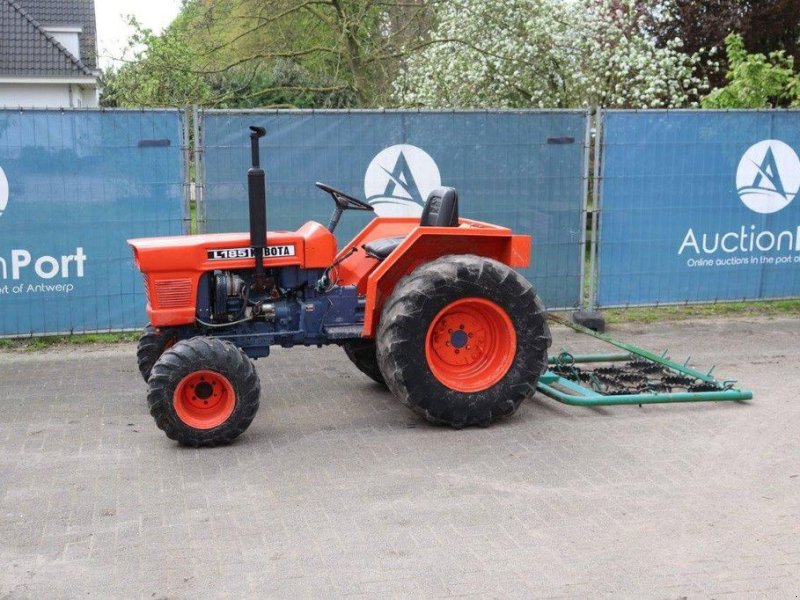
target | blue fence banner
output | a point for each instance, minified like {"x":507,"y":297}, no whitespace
{"x":523,"y":170}
{"x":74,"y":185}
{"x":699,"y":206}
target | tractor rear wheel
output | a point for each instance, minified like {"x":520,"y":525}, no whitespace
{"x":152,"y":345}
{"x":462,"y":340}
{"x":362,"y":354}
{"x":203,"y":391}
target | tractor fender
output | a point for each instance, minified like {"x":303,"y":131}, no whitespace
{"x":424,"y":244}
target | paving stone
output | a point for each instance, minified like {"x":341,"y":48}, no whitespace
{"x":338,"y":490}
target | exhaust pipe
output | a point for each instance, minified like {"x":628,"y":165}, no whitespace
{"x":257,"y":192}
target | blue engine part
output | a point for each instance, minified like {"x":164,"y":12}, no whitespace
{"x":289,"y":309}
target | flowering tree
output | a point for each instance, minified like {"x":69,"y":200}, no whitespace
{"x":549,"y":53}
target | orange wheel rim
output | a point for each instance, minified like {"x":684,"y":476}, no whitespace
{"x":470,"y":344}
{"x":204,"y":399}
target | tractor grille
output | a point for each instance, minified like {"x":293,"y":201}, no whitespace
{"x":173,"y":293}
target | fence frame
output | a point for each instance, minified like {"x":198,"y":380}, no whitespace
{"x":184,"y":116}
{"x":198,"y":115}
{"x":597,"y":231}
{"x":592,"y":177}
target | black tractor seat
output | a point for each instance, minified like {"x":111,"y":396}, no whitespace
{"x":441,"y":210}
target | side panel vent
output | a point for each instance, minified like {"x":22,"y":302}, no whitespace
{"x":147,"y":288}
{"x":173,"y":293}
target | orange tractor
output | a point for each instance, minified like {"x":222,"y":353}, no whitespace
{"x":430,"y":307}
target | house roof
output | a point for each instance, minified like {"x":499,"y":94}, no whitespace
{"x":27,"y":50}
{"x":70,"y":13}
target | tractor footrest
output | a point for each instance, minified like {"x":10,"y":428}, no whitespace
{"x":343,"y":332}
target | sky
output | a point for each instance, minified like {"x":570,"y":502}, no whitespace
{"x":112,"y":28}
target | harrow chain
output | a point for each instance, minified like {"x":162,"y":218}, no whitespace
{"x":636,"y":376}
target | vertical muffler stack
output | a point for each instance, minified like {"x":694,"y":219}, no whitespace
{"x":257,"y":192}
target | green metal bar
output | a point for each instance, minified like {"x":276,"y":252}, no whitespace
{"x":588,"y":358}
{"x":586,"y":397}
{"x":579,"y":391}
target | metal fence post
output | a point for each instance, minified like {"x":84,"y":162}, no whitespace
{"x":598,"y":134}
{"x":587,"y":314}
{"x":200,"y":207}
{"x":587,"y":145}
{"x":187,"y":175}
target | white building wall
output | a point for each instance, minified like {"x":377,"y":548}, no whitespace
{"x":47,"y":95}
{"x":90,"y":95}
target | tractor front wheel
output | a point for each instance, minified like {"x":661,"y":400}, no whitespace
{"x":462,"y":340}
{"x":203,"y":392}
{"x":152,"y":344}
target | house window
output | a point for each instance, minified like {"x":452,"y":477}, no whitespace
{"x":67,"y":37}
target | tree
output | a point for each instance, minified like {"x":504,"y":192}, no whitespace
{"x":254,"y":52}
{"x":621,"y":66}
{"x":765,"y":26}
{"x":282,"y":84}
{"x":503,"y":54}
{"x":548,"y":53}
{"x":755,"y":80}
{"x":161,"y":71}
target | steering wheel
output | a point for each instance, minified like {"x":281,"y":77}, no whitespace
{"x":344,"y":201}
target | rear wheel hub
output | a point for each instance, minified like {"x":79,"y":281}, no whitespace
{"x":470,"y":344}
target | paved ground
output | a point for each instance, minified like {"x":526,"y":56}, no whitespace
{"x":338,"y":490}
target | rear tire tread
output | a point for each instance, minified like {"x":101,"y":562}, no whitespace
{"x":406,"y":316}
{"x":362,"y":354}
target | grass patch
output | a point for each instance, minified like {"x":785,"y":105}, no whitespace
{"x":193,"y":216}
{"x":33,"y":344}
{"x":652,"y":314}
